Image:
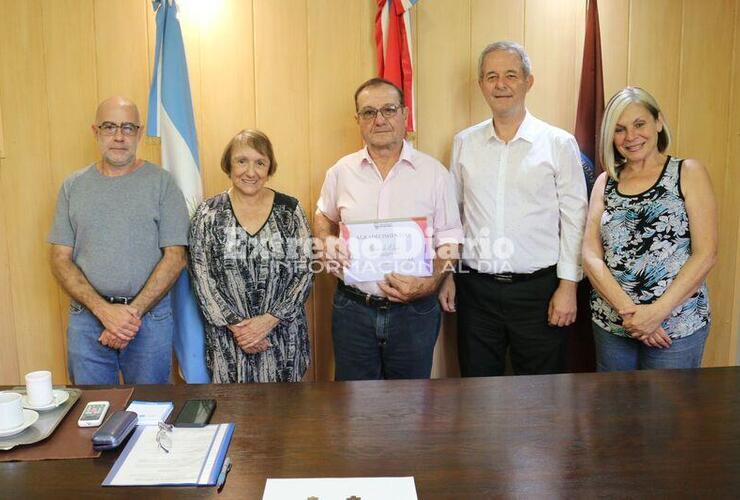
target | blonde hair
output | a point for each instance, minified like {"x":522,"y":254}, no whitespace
{"x":610,"y":158}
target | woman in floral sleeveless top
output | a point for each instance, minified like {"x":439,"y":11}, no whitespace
{"x":650,"y":241}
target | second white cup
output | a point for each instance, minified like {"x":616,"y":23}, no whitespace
{"x":38,"y":388}
{"x":11,"y":410}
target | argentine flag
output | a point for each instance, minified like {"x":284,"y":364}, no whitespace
{"x":170,"y":117}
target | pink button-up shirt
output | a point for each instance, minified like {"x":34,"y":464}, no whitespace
{"x":416,"y":186}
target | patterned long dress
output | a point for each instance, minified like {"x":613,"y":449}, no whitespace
{"x":237,"y":275}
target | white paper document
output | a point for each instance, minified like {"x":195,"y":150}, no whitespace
{"x":381,"y":247}
{"x":151,"y":412}
{"x":335,"y":488}
{"x":195,"y":458}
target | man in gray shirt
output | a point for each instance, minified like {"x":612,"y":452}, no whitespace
{"x":118,"y":245}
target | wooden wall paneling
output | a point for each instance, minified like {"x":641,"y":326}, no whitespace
{"x":9,"y":354}
{"x":550,"y":35}
{"x":28,"y":196}
{"x":704,"y":94}
{"x":281,"y":83}
{"x":490,"y":21}
{"x":2,"y":135}
{"x":227,"y":89}
{"x":442,"y":75}
{"x":153,"y":144}
{"x":282,"y":95}
{"x":122,"y":57}
{"x":443,"y":104}
{"x":9,"y":373}
{"x":614,"y":25}
{"x":71,"y":93}
{"x":732,"y":186}
{"x":71,"y":89}
{"x":703,"y":121}
{"x":735,"y":315}
{"x":654,"y":54}
{"x":151,"y":37}
{"x":580,"y":33}
{"x":340,"y":35}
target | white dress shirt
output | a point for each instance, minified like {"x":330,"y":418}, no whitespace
{"x":523,"y":204}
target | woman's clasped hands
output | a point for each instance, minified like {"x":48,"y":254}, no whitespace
{"x":642,"y":322}
{"x":251,"y":333}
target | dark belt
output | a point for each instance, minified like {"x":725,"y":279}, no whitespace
{"x":512,"y":277}
{"x":120,"y":300}
{"x":365,"y":298}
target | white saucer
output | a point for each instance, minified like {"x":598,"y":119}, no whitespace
{"x":60,"y":397}
{"x":29,"y":418}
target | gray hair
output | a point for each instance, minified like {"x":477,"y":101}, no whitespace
{"x":609,"y":156}
{"x":506,"y":46}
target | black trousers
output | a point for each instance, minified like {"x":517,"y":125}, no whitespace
{"x":493,"y":317}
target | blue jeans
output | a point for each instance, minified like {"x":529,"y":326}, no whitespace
{"x":146,"y":360}
{"x":384,"y":343}
{"x":615,"y":353}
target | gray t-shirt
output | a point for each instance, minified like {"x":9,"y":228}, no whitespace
{"x":117,"y":226}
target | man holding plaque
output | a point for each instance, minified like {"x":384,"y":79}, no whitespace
{"x":523,"y":202}
{"x":382,"y":214}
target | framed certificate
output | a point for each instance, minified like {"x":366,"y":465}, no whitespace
{"x":380,"y":247}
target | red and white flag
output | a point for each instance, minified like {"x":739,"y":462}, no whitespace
{"x":393,"y":45}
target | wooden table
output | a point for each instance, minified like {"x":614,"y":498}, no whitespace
{"x":637,"y":434}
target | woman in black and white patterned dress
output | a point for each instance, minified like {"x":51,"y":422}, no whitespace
{"x":250,"y":259}
{"x":651,"y":239}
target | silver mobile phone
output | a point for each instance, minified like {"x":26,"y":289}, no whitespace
{"x":93,"y":414}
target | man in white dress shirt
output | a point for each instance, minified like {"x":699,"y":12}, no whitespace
{"x":522,"y":197}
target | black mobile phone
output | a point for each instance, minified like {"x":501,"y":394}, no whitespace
{"x":195,"y":413}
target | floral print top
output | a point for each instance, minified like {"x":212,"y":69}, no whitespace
{"x":646,"y":242}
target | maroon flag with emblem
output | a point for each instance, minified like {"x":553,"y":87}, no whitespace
{"x":591,"y":94}
{"x":581,"y":355}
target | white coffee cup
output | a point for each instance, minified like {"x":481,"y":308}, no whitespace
{"x":11,"y":410}
{"x":38,"y":388}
